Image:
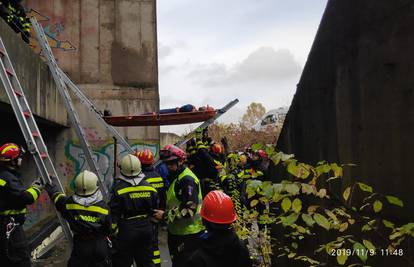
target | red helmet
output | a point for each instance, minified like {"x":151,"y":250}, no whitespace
{"x":172,"y":152}
{"x":262,"y":153}
{"x":218,"y":208}
{"x":217,"y":149}
{"x":9,"y":151}
{"x":145,"y":156}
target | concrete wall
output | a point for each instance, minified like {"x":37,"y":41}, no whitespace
{"x":34,"y":77}
{"x":102,"y":41}
{"x":45,"y":102}
{"x":109,"y":48}
{"x":168,"y":138}
{"x":354,"y":102}
{"x":126,"y":100}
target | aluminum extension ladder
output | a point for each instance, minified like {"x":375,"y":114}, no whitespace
{"x":75,"y":89}
{"x":73,"y":115}
{"x":27,"y":123}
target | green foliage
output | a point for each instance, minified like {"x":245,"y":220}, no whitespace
{"x":254,"y":112}
{"x":377,"y":206}
{"x":395,"y":201}
{"x":304,"y":209}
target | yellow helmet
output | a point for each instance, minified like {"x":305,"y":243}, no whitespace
{"x":130,"y":166}
{"x":86,"y":183}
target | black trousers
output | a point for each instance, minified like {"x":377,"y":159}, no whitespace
{"x":93,"y":252}
{"x":181,"y":247}
{"x":13,"y":252}
{"x":134,"y":242}
{"x":156,"y":256}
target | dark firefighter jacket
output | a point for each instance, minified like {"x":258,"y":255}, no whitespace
{"x":87,"y":216}
{"x":204,"y":164}
{"x":220,"y":249}
{"x":132,"y":199}
{"x":186,"y":189}
{"x":13,"y":12}
{"x":14,"y":196}
{"x":156,"y":181}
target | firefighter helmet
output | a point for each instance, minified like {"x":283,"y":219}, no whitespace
{"x":145,"y":156}
{"x":172,"y":152}
{"x":86,"y":183}
{"x":9,"y":152}
{"x":262,"y":154}
{"x":130,"y":166}
{"x":217,"y":149}
{"x":218,"y":208}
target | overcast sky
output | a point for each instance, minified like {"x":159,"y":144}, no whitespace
{"x":211,"y":52}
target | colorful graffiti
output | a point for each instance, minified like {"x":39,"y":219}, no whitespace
{"x":103,"y":155}
{"x":53,"y":31}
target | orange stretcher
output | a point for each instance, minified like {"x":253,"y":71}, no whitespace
{"x":156,"y":119}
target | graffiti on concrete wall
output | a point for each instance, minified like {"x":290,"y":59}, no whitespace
{"x":103,"y":155}
{"x":53,"y":30}
{"x":75,"y":162}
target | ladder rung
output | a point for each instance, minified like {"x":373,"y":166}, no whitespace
{"x":43,"y":155}
{"x":9,"y":72}
{"x":35,"y":134}
{"x":18,"y":93}
{"x":26,"y":114}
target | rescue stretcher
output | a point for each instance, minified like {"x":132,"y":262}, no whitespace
{"x":157,"y":119}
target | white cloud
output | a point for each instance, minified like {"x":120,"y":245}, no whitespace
{"x":164,"y":51}
{"x":215,"y":51}
{"x":264,"y":75}
{"x":261,"y":66}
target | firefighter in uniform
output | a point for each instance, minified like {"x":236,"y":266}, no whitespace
{"x":14,"y":14}
{"x":133,"y":204}
{"x":146,"y":157}
{"x":220,"y":246}
{"x":89,"y":219}
{"x":14,"y":198}
{"x":184,"y":193}
{"x":202,"y":163}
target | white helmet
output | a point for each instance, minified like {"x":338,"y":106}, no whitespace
{"x":86,"y":183}
{"x":130,"y":166}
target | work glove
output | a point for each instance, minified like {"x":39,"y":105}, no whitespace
{"x":51,"y":187}
{"x":37,"y":183}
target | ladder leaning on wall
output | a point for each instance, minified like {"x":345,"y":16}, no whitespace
{"x":34,"y":140}
{"x":63,"y":82}
{"x":61,"y":76}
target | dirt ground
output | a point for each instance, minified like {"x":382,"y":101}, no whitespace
{"x":59,"y":256}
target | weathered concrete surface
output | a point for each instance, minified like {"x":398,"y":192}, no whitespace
{"x":103,"y":41}
{"x":168,"y":138}
{"x":354,"y":102}
{"x":45,"y":102}
{"x":120,"y":100}
{"x":82,"y":34}
{"x":34,"y":77}
{"x":109,"y":49}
